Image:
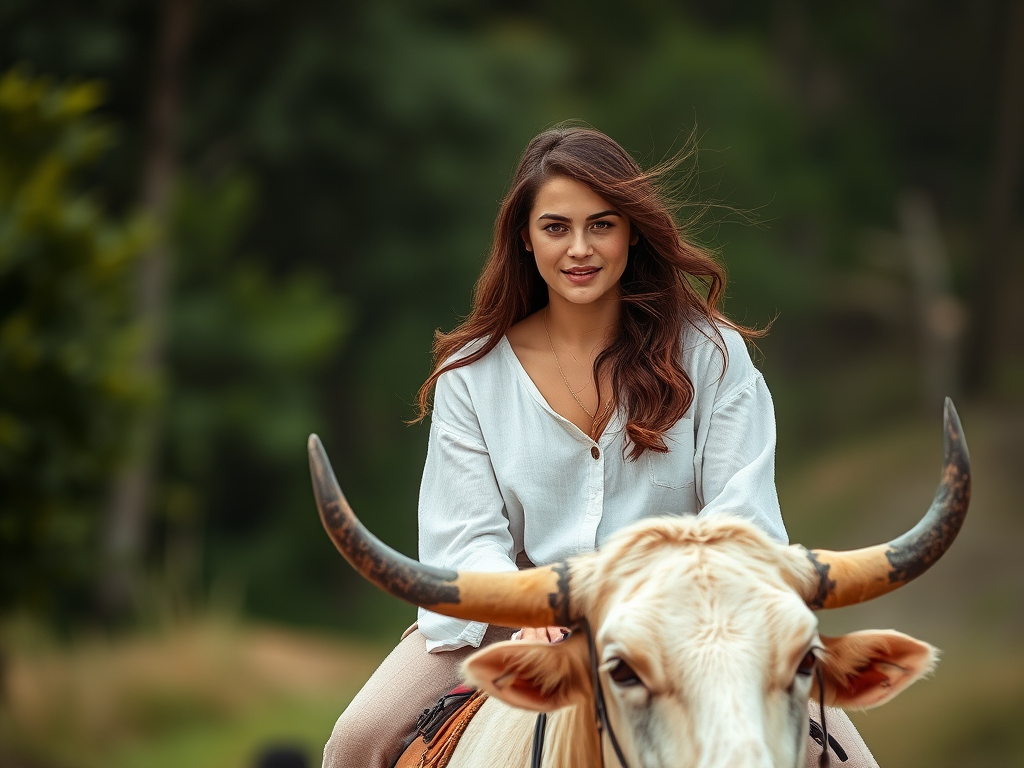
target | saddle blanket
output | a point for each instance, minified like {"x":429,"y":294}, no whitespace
{"x":439,"y":729}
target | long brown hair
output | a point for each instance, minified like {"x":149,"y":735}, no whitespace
{"x":667,"y":282}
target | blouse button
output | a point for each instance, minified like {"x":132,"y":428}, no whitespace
{"x":595,"y":452}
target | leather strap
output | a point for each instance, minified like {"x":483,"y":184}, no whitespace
{"x":538,"y":740}
{"x":824,"y":761}
{"x":600,"y":711}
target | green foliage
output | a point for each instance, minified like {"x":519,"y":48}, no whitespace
{"x":244,"y":348}
{"x":387,"y":136}
{"x":69,"y":384}
{"x":364,"y":147}
{"x":360,"y":150}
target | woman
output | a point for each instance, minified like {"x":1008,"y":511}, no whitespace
{"x":592,"y":385}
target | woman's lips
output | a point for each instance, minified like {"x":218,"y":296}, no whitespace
{"x":580,"y":274}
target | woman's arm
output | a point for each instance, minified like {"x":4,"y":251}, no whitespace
{"x":462,"y":519}
{"x":735,"y":444}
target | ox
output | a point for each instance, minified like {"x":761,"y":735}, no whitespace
{"x":700,"y":634}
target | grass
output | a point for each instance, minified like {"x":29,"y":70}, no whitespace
{"x":209,"y":693}
{"x":234,"y":743}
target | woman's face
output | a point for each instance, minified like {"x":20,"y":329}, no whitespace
{"x":579,"y":240}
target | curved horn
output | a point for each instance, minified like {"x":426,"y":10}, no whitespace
{"x":538,"y":597}
{"x":846,"y":578}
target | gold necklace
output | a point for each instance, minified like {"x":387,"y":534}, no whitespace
{"x":566,"y":381}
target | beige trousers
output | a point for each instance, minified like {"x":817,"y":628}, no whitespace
{"x":841,"y":729}
{"x":372,"y":729}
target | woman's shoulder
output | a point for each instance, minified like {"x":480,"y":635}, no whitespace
{"x":480,"y":367}
{"x":523,"y":336}
{"x":701,"y":337}
{"x":716,"y":352}
{"x":467,"y":349}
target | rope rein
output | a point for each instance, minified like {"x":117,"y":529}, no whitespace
{"x":600,"y":711}
{"x":824,"y":761}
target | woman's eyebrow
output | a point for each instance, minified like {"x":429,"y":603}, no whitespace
{"x":591,"y":217}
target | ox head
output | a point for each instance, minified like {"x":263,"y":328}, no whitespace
{"x":705,"y":632}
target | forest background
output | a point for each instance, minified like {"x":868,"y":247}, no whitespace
{"x":225,"y":225}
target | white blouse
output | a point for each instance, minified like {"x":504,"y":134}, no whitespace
{"x":506,"y":476}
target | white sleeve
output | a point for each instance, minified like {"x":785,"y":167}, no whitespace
{"x":462,"y":518}
{"x":737,"y":447}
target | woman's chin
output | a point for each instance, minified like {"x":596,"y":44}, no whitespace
{"x":582,"y":295}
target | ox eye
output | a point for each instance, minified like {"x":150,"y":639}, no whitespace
{"x":807,"y":664}
{"x":623,"y":674}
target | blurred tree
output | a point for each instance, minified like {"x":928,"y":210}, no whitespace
{"x":996,"y":242}
{"x":244,"y":347}
{"x":69,"y":383}
{"x":387,"y":134}
{"x":376,"y":139}
{"x":128,"y":518}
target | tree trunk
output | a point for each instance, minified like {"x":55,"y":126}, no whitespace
{"x":939,"y":315}
{"x":996,"y":236}
{"x":125,"y":531}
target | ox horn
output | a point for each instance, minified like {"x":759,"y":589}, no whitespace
{"x":847,"y":578}
{"x":538,"y":597}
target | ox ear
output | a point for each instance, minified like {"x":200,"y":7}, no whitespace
{"x":865,"y":669}
{"x":537,"y":676}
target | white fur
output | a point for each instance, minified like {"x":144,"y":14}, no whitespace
{"x":709,"y":615}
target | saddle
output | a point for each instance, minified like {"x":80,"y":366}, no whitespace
{"x":438,"y":730}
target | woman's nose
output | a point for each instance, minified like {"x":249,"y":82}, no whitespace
{"x":580,"y":246}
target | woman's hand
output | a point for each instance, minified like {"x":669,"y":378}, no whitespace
{"x":541,"y":634}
